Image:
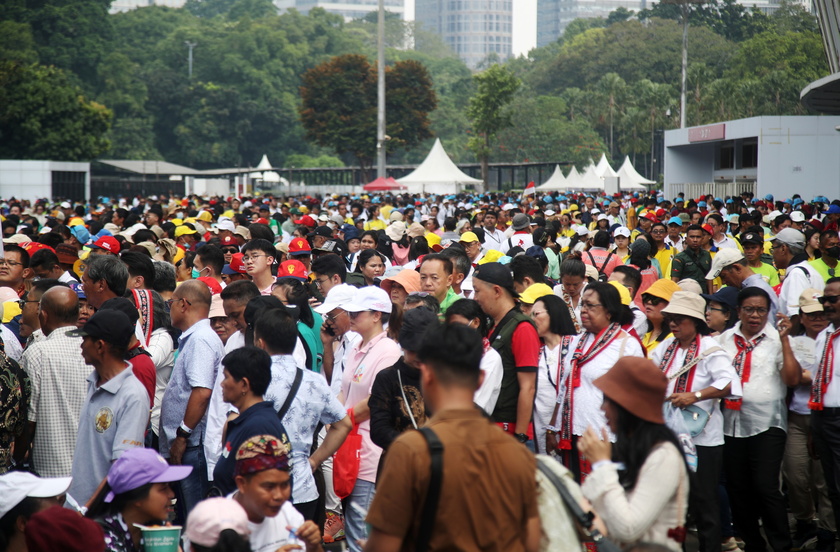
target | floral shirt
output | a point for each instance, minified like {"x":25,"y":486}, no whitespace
{"x":117,"y":536}
{"x":15,"y":392}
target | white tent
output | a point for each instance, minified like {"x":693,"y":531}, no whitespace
{"x":590,"y":179}
{"x":630,"y":179}
{"x":603,"y":168}
{"x":264,"y":173}
{"x":574,"y":180}
{"x":557,"y":182}
{"x":437,"y":174}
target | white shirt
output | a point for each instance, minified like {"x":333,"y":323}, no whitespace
{"x":805,"y":351}
{"x":588,"y":398}
{"x":493,"y":240}
{"x":487,"y":395}
{"x":218,"y":409}
{"x":715,"y":370}
{"x":10,"y":341}
{"x":796,"y":281}
{"x":763,"y":404}
{"x":831,"y":397}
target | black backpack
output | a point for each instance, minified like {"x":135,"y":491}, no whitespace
{"x":601,"y":276}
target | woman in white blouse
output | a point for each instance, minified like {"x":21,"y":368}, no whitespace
{"x":699,"y":373}
{"x":646,"y":499}
{"x":591,"y":354}
{"x":755,"y":426}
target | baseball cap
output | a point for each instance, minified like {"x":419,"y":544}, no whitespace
{"x":109,"y":325}
{"x":675,"y":220}
{"x":236,"y":265}
{"x":725,"y":257}
{"x":833,"y":209}
{"x":109,"y":243}
{"x":228,"y":241}
{"x":727,"y":295}
{"x":226,"y":224}
{"x":408,"y":278}
{"x":797,"y":216}
{"x":217,"y":309}
{"x":809,"y":300}
{"x":305,"y":220}
{"x":621,"y":231}
{"x":16,"y":485}
{"x":337,"y":296}
{"x":299,"y":246}
{"x":215,"y":287}
{"x":368,"y":298}
{"x":534,"y":292}
{"x":790,"y":236}
{"x":292,"y":269}
{"x":212,"y":516}
{"x":753,"y":238}
{"x":183,"y":230}
{"x":324,"y":231}
{"x":496,"y":274}
{"x":468,"y":237}
{"x":81,"y":233}
{"x":140,"y":466}
{"x":79,"y":289}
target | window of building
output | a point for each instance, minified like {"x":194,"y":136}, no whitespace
{"x":749,"y":154}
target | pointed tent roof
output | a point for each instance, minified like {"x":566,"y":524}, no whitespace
{"x":264,"y":164}
{"x":574,"y":180}
{"x":603,"y":169}
{"x":590,"y":179}
{"x":383,"y":185}
{"x":630,"y":179}
{"x":263,"y":171}
{"x":556,"y":182}
{"x":438,"y":168}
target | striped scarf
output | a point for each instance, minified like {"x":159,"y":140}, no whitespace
{"x":743,"y":364}
{"x":825,"y":370}
{"x":685,"y":380}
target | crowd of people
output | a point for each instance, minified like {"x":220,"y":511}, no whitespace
{"x":253,"y":370}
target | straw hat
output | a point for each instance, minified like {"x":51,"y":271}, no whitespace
{"x":688,"y":304}
{"x":638,"y":386}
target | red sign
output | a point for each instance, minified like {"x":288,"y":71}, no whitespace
{"x":707,"y":133}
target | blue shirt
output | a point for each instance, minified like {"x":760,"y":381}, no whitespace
{"x":314,"y":403}
{"x":260,"y":419}
{"x":200,"y":353}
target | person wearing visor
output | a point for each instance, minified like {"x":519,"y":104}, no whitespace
{"x":24,"y":495}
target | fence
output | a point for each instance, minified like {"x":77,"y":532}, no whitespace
{"x":717,"y":189}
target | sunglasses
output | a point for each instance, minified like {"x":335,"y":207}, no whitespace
{"x":830,"y":299}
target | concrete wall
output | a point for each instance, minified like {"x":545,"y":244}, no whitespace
{"x":33,"y":179}
{"x":797,"y":154}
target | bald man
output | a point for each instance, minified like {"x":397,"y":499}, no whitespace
{"x":183,"y":411}
{"x":58,"y":374}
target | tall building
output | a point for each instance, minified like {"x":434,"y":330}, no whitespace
{"x":474,"y":29}
{"x":349,"y":9}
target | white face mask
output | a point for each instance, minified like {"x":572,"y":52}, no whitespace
{"x":180,"y":214}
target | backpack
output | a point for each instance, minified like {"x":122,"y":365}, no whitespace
{"x":601,"y":276}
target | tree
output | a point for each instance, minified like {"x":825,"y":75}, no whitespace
{"x":43,"y":116}
{"x":612,"y":89}
{"x":488,"y":112}
{"x":339,"y":105}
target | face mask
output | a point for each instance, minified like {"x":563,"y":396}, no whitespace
{"x":180,"y":215}
{"x":834,"y":252}
{"x":195,"y":273}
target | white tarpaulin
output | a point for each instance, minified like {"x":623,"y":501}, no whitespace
{"x":437,"y":174}
{"x":590,"y":179}
{"x":603,"y":169}
{"x":556,"y":183}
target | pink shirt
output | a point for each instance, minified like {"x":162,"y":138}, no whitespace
{"x":363,"y":363}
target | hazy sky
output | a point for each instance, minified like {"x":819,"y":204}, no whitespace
{"x":524,"y":24}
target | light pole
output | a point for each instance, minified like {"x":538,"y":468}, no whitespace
{"x":190,"y":45}
{"x":380,"y":112}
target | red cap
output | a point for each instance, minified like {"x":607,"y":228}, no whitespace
{"x":661,"y":213}
{"x":215,"y":287}
{"x":300,"y":246}
{"x":32,"y":247}
{"x":708,"y":228}
{"x":305,"y":220}
{"x":292,"y":269}
{"x":236,"y":263}
{"x":228,"y":240}
{"x":265,"y":221}
{"x":108,"y":243}
{"x":650,"y":216}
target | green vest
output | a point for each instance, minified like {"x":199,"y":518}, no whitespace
{"x":505,"y":410}
{"x":312,"y":340}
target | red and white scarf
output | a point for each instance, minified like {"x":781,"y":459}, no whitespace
{"x":743,"y":364}
{"x":825,"y":370}
{"x":601,"y":341}
{"x":145,"y":305}
{"x":684,"y":382}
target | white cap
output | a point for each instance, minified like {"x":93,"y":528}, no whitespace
{"x":797,"y":216}
{"x":508,"y":206}
{"x":724,"y":257}
{"x":66,"y":205}
{"x":368,"y":298}
{"x":582,"y":230}
{"x":549,"y":212}
{"x":338,"y":295}
{"x":226,"y":225}
{"x":621,"y":231}
{"x":603,"y":217}
{"x":15,"y":486}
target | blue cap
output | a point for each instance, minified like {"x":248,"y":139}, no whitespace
{"x":701,"y":204}
{"x":797,"y":201}
{"x":768,"y":197}
{"x":730,"y":200}
{"x":833,"y":210}
{"x":81,"y":233}
{"x":660,"y":200}
{"x":675,"y":220}
{"x":718,"y":199}
{"x":788,"y":201}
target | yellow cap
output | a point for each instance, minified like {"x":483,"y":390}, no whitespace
{"x":663,"y":288}
{"x":432,"y":239}
{"x":182,"y":230}
{"x":573,"y":207}
{"x":468,"y":237}
{"x":177,"y":221}
{"x":491,"y":256}
{"x":623,"y":292}
{"x":534,"y":292}
{"x":10,"y":310}
{"x":179,"y":254}
{"x":206,"y":216}
{"x":76,"y":221}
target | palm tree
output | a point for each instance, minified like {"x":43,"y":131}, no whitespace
{"x":612,"y":87}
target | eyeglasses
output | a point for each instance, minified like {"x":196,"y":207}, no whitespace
{"x":230,"y":250}
{"x":715,"y":309}
{"x":658,"y":231}
{"x":674,"y":319}
{"x":652,"y":301}
{"x":419,"y":294}
{"x":819,"y":315}
{"x":761,"y":311}
{"x":830,"y":299}
{"x":319,"y":282}
{"x":355,"y":315}
{"x":169,"y":302}
{"x":252,"y":258}
{"x":22,"y":303}
{"x":589,"y":306}
{"x":333,"y":318}
{"x":12,"y":264}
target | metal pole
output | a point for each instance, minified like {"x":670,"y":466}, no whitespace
{"x":685,"y":10}
{"x":190,"y":45}
{"x":380,"y":114}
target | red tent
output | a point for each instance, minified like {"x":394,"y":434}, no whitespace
{"x":383,"y":185}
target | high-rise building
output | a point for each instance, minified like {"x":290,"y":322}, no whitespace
{"x":350,"y":9}
{"x":474,"y":29}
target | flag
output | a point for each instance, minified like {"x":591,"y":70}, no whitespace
{"x":530,"y":189}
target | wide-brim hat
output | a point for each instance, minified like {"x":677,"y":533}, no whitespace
{"x":686,"y":303}
{"x":638,"y":386}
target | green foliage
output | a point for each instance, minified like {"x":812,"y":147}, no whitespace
{"x":301,"y":161}
{"x":339,"y":105}
{"x":43,"y":116}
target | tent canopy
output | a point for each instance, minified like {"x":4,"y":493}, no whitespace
{"x":437,"y":173}
{"x":556,"y":183}
{"x":603,"y":168}
{"x":381,"y":184}
{"x":630,"y":179}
